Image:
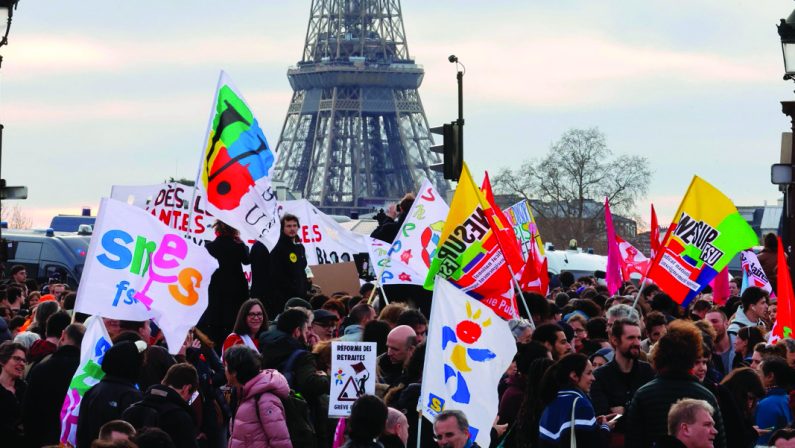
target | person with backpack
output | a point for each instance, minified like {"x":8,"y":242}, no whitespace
{"x":166,"y":406}
{"x":260,"y":420}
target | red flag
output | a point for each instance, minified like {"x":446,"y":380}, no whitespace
{"x":535,"y":277}
{"x":503,"y":229}
{"x":654,"y":238}
{"x":632,"y":260}
{"x":785,"y":313}
{"x":720,"y":287}
{"x":613,"y":254}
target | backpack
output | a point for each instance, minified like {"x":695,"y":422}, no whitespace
{"x":296,"y":415}
{"x":143,"y":415}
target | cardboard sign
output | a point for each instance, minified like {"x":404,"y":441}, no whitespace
{"x":336,"y":277}
{"x":352,"y":375}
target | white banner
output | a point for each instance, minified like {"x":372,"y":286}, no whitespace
{"x":138,"y":269}
{"x":466,"y":355}
{"x":235,"y":168}
{"x":92,"y":350}
{"x":325,"y":240}
{"x":389,"y":271}
{"x":353,"y":375}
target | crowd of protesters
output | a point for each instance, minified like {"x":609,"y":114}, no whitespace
{"x":590,"y":368}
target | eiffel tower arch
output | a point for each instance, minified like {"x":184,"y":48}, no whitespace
{"x":355,"y":135}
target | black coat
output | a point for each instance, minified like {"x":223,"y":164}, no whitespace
{"x":276,"y":348}
{"x":102,"y":403}
{"x":228,"y":287}
{"x":172,"y":415}
{"x":612,"y":387}
{"x":287,"y":274}
{"x":48,"y":382}
{"x":260,"y":271}
{"x":647,"y":415}
{"x":11,"y":414}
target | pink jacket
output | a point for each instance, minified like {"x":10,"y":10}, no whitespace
{"x":271,"y":429}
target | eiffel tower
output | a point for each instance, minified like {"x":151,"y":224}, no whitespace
{"x":356,"y":135}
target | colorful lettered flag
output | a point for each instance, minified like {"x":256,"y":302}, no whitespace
{"x":466,"y":355}
{"x":654,"y":234}
{"x":502,"y":229}
{"x":524,"y":224}
{"x":137,"y":268}
{"x":613,"y":255}
{"x":418,"y":239}
{"x":632,"y":260}
{"x":706,"y":233}
{"x":468,"y":253}
{"x":785,"y":312}
{"x":89,"y":372}
{"x":535,"y":274}
{"x":387,"y":270}
{"x":235,"y":168}
{"x":753,"y":274}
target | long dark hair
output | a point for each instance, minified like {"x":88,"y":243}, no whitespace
{"x":753,"y":335}
{"x":557,"y":376}
{"x":241,"y":326}
{"x":742,"y":383}
{"x":526,"y":432}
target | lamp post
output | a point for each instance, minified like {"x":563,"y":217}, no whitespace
{"x":782,"y":173}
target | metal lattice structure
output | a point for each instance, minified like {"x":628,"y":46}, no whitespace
{"x":355,"y":135}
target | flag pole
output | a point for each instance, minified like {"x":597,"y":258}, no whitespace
{"x":419,"y":427}
{"x":524,"y":302}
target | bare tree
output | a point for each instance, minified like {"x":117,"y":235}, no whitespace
{"x":567,"y":187}
{"x":16,"y":217}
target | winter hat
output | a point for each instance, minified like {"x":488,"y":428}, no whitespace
{"x":606,"y":353}
{"x":297,"y":302}
{"x":123,"y":360}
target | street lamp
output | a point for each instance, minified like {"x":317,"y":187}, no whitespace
{"x":7,"y":8}
{"x":781,"y":173}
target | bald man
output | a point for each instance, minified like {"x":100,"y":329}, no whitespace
{"x":396,"y":431}
{"x":400,"y":345}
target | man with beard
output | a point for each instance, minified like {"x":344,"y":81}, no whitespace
{"x":616,"y":382}
{"x":723,"y":351}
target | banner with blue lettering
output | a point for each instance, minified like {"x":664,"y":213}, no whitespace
{"x":137,"y":268}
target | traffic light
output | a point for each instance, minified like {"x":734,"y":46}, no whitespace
{"x":452,"y":149}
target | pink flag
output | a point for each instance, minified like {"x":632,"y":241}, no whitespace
{"x":720,"y":287}
{"x":613,"y":254}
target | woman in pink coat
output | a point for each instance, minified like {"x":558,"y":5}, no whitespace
{"x":259,"y":421}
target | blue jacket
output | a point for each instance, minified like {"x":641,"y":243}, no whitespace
{"x":773,"y":412}
{"x":555,"y":424}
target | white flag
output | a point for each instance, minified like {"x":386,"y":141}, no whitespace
{"x":137,"y":268}
{"x":416,"y":242}
{"x":469,"y":347}
{"x":388,"y":270}
{"x":754,"y":273}
{"x":92,"y":350}
{"x":235,"y":168}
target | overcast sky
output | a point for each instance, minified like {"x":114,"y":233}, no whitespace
{"x":96,"y":93}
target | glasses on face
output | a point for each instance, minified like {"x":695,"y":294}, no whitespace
{"x":18,"y":359}
{"x":579,"y":330}
{"x":256,"y":315}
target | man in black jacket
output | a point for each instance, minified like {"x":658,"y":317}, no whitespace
{"x":165,"y":406}
{"x":286,"y":349}
{"x":287,"y":267}
{"x":616,"y":382}
{"x":48,"y":382}
{"x":111,"y":396}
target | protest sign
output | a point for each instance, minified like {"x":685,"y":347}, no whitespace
{"x":138,"y":269}
{"x":353,"y":375}
{"x":336,"y":277}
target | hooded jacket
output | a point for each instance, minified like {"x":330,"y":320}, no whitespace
{"x":740,"y":320}
{"x":173,"y":415}
{"x":276,"y":347}
{"x":260,"y":421}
